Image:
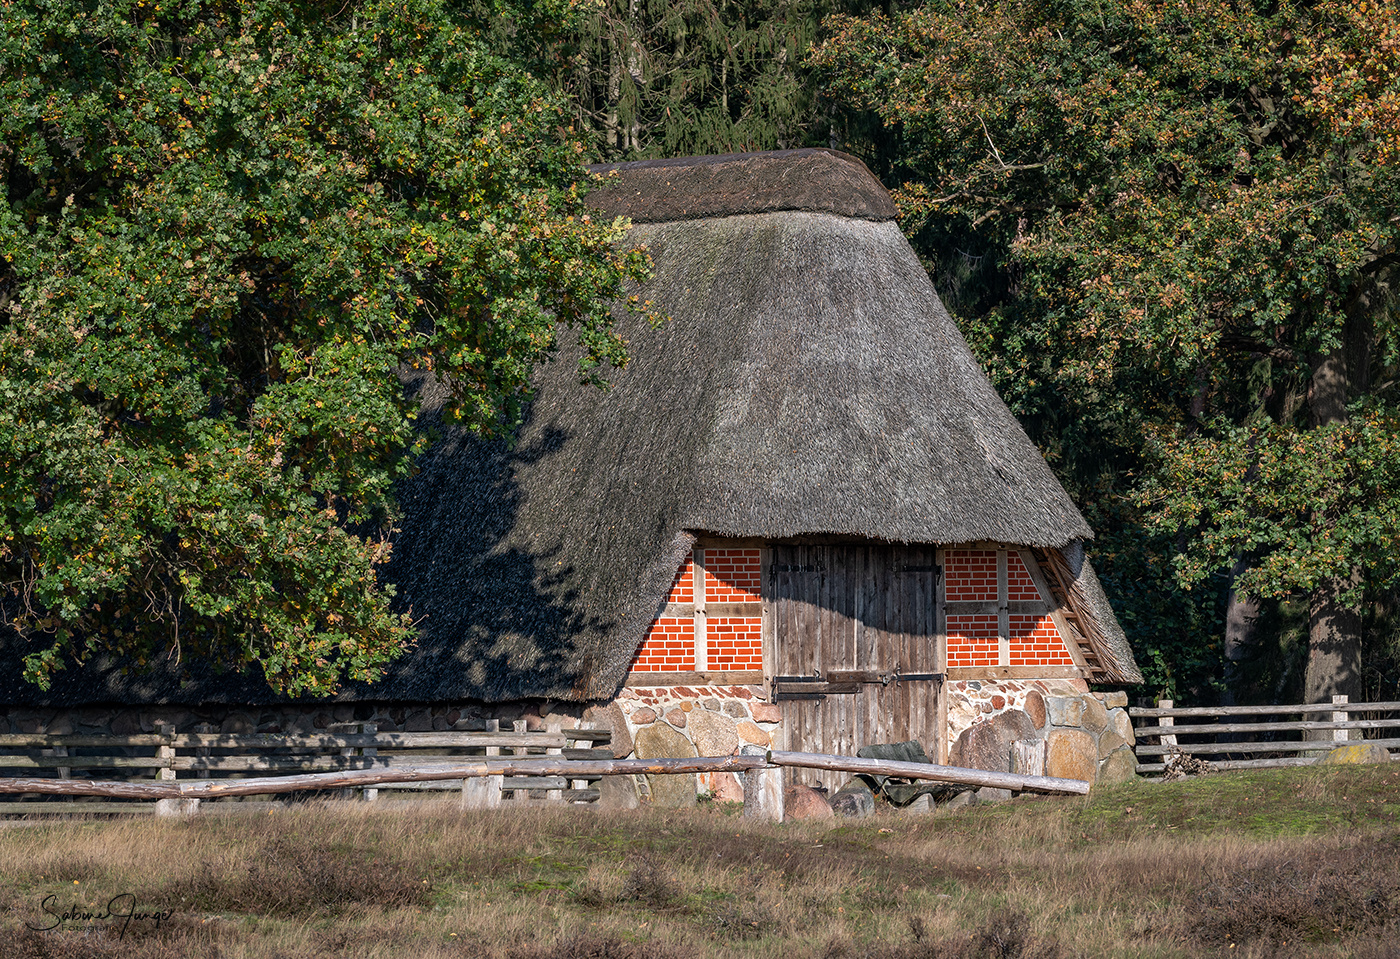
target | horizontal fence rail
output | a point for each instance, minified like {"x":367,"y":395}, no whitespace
{"x":1211,"y":733}
{"x":483,"y":782}
{"x":205,"y":756}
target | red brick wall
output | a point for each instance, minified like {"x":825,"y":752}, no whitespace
{"x":732,"y":576}
{"x":731,"y":642}
{"x":972,"y":640}
{"x":683,"y":586}
{"x":970,"y":574}
{"x":734,"y":642}
{"x":1019,"y":586}
{"x":668,"y":648}
{"x":1036,"y":642}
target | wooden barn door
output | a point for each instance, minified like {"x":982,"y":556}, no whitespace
{"x":855,"y":656}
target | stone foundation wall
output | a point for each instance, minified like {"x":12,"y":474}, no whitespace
{"x":669,"y":721}
{"x":1087,"y":735}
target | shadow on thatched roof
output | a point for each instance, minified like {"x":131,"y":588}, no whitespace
{"x":809,"y":383}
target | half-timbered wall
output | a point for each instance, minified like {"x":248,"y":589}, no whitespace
{"x":999,"y":616}
{"x":712,"y":620}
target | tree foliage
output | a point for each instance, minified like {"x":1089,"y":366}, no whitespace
{"x":664,"y":78}
{"x":227,"y":226}
{"x":1188,"y":209}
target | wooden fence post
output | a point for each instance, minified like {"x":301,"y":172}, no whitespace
{"x":556,"y":729}
{"x":1340,"y":716}
{"x":1028,"y":757}
{"x":171,"y":807}
{"x":763,"y":794}
{"x":370,"y":793}
{"x":64,"y":772}
{"x":167,"y":751}
{"x":203,"y":752}
{"x":1167,"y":739}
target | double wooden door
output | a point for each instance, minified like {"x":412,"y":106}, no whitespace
{"x":854,"y":646}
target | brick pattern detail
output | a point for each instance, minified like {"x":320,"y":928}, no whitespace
{"x":1020,"y":588}
{"x":668,"y":648}
{"x":731,"y":642}
{"x":972,"y":640}
{"x":734,"y":642}
{"x":731,"y":576}
{"x":970,"y":575}
{"x":1036,"y":642}
{"x":683,"y":586}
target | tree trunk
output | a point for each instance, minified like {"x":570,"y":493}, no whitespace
{"x":1241,"y":613}
{"x":1334,"y":643}
{"x":1334,"y":630}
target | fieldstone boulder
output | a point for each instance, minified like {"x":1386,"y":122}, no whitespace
{"x":804,"y":802}
{"x":1109,"y":740}
{"x":725,"y":787}
{"x":919,"y":807}
{"x":1095,"y":717}
{"x":1115,"y":700}
{"x":1355,"y":754}
{"x":750,"y":733}
{"x":676,"y":717}
{"x":714,"y":734}
{"x":611,"y":718}
{"x":1071,"y":754}
{"x":618,"y":792}
{"x":1065,"y":710}
{"x":1119,"y":767}
{"x":660,"y":741}
{"x":1035,"y":708}
{"x":990,"y":794}
{"x":853,"y":800}
{"x":988,"y":745}
{"x":961,"y":711}
{"x":766,"y":712}
{"x":735,"y":709}
{"x":644,"y":716}
{"x":1121,"y":723}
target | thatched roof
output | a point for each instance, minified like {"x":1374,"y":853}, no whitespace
{"x":810,"y":382}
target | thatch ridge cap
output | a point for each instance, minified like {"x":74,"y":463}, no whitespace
{"x":814,"y":179}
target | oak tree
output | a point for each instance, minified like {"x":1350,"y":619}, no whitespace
{"x":1192,"y":207}
{"x":227,"y":227}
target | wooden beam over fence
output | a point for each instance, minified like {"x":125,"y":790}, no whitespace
{"x":949,"y":774}
{"x":352,"y":778}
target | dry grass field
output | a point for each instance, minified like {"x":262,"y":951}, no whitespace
{"x":1280,"y":863}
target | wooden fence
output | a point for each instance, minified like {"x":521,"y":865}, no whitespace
{"x":166,"y":756}
{"x":1251,"y":737}
{"x":483,"y":781}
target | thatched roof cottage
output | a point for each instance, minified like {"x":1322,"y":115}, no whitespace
{"x":800,"y":515}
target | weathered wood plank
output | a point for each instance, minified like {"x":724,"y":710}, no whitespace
{"x":83,"y":762}
{"x":49,"y":808}
{"x":45,"y":740}
{"x":1165,"y":729}
{"x":203,"y":788}
{"x":1290,"y":746}
{"x":388,"y":739}
{"x":1147,"y":711}
{"x":1015,"y":672}
{"x":742,"y":677}
{"x":952,"y":774}
{"x":1225,"y":764}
